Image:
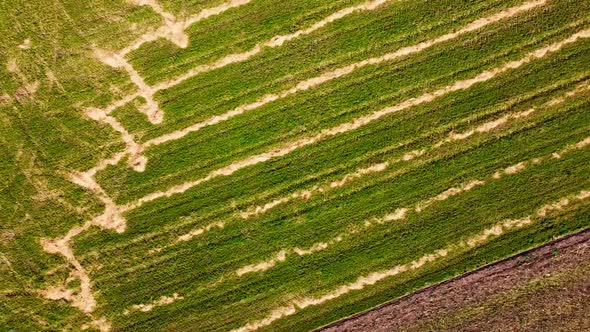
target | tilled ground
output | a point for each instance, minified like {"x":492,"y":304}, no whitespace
{"x":544,"y":289}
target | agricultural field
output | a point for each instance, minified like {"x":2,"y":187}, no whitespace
{"x":256,"y":165}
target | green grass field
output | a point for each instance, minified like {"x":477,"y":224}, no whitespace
{"x":242,"y":165}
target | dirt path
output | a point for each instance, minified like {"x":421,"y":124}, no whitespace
{"x":133,"y":150}
{"x":112,"y":218}
{"x":150,"y":108}
{"x":402,"y":213}
{"x":163,"y":300}
{"x":429,"y":308}
{"x":372,"y":278}
{"x":376,"y":168}
{"x":343,"y":71}
{"x":359,"y":122}
{"x":173,"y":30}
{"x":306,"y":194}
{"x":84,"y":299}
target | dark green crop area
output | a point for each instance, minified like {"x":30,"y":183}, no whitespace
{"x":310,"y":203}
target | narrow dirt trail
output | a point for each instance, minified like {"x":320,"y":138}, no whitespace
{"x":133,"y":150}
{"x":343,"y":71}
{"x":188,"y":236}
{"x":318,"y":189}
{"x":359,"y":122}
{"x":274,"y":42}
{"x":487,"y":127}
{"x":152,"y":111}
{"x":477,"y":240}
{"x":403,"y":213}
{"x":366,"y":171}
{"x":172,"y":30}
{"x":163,"y":300}
{"x":398,"y":214}
{"x":84,"y":300}
{"x":112,"y":218}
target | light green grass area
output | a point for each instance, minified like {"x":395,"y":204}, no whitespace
{"x":323,"y":200}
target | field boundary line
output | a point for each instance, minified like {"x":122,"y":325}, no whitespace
{"x":403,"y":212}
{"x":561,"y":242}
{"x":370,"y":279}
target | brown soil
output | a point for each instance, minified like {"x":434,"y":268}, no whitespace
{"x":544,"y":289}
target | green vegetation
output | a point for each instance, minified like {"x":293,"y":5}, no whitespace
{"x":190,"y":244}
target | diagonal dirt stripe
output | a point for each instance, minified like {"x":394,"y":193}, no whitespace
{"x":379,"y":167}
